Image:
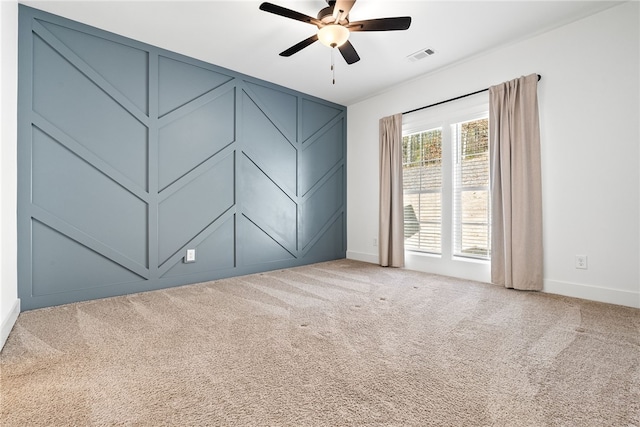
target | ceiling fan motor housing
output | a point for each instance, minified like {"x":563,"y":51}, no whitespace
{"x":326,"y":15}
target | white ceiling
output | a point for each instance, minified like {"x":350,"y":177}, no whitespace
{"x":239,"y":36}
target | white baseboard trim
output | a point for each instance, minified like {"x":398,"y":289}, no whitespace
{"x":568,"y":289}
{"x":593,"y":293}
{"x":8,"y":322}
{"x":361,"y":256}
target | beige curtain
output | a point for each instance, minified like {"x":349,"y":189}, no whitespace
{"x":391,"y":232}
{"x":516,"y":189}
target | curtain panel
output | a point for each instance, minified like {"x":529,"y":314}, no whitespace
{"x":516,"y":188}
{"x":391,"y":228}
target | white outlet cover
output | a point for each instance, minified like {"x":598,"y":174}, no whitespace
{"x":190,"y":256}
{"x":581,"y":262}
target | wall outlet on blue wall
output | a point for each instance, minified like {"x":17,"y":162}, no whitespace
{"x":190,"y":256}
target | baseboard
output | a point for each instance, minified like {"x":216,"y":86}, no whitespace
{"x":361,"y":256}
{"x":593,"y":293}
{"x":8,"y":322}
{"x":575,"y":290}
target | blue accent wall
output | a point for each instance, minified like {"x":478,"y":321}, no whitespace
{"x":129,"y":154}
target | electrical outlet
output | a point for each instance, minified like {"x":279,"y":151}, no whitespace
{"x":581,"y":262}
{"x":375,"y":241}
{"x":190,"y":256}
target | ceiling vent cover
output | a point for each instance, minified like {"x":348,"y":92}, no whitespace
{"x":421,"y":54}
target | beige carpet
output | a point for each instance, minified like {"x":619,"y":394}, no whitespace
{"x":341,"y":343}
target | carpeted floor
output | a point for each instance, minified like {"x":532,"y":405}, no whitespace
{"x":341,"y":343}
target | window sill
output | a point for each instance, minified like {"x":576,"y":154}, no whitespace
{"x":471,"y":260}
{"x":422,"y":254}
{"x":454,"y":258}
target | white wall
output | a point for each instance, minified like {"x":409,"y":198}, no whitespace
{"x":589,"y":109}
{"x":9,"y":303}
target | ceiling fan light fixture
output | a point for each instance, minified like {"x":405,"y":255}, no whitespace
{"x":333,"y":35}
{"x":334,"y":30}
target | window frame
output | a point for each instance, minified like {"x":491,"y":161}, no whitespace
{"x":443,"y":116}
{"x":457,"y":194}
{"x":431,"y":191}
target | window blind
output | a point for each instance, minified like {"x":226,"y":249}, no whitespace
{"x":471,"y":210}
{"x":422,"y":181}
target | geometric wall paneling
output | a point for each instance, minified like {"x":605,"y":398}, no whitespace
{"x":268,"y":206}
{"x":60,"y":264}
{"x":71,"y":101}
{"x":329,"y":242}
{"x":281,"y":107}
{"x":102,"y":209}
{"x":189,"y":135}
{"x":129,"y":154}
{"x":314,"y":116}
{"x":215,"y":252}
{"x":95,"y":76}
{"x":45,"y":127}
{"x":99,"y":54}
{"x":180,"y":83}
{"x":321,"y":153}
{"x":321,"y":205}
{"x":260,"y":247}
{"x":188,"y":210}
{"x":268,"y":147}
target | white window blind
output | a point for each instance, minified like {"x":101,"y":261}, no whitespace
{"x":471,"y":204}
{"x":422,"y":178}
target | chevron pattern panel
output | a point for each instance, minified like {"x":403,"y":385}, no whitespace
{"x":129,"y":155}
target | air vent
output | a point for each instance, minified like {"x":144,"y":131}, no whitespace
{"x":421,"y":54}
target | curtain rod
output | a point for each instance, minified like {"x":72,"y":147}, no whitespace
{"x":452,"y":99}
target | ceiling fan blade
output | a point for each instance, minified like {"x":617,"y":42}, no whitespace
{"x":299,"y":46}
{"x":381,"y":24}
{"x":341,"y":9}
{"x":288,"y":13}
{"x":349,"y":53}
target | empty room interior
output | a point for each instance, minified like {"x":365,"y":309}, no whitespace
{"x":320,"y":213}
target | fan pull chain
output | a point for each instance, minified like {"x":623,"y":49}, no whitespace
{"x":333,"y":66}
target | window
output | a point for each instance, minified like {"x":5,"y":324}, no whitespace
{"x":445,"y":166}
{"x":471,"y":235}
{"x":422,"y":180}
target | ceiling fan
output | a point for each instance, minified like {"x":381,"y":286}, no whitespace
{"x":334,"y":26}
